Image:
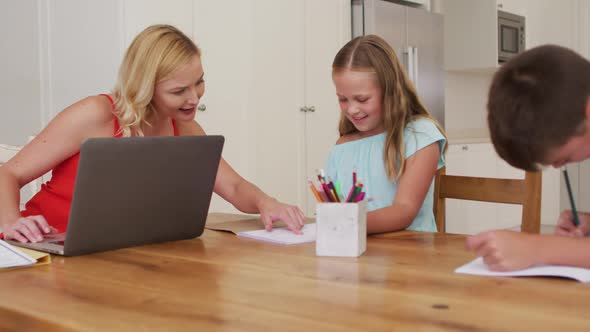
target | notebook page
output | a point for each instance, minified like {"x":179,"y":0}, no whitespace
{"x":11,"y":257}
{"x":478,"y":267}
{"x":282,"y":235}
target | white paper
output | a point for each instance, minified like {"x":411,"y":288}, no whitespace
{"x":11,"y":256}
{"x":478,"y":267}
{"x":283,"y":235}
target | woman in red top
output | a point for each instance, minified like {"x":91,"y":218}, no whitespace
{"x":159,"y":86}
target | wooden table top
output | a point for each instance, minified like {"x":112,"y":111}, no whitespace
{"x":403,"y":282}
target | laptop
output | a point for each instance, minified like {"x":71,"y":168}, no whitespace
{"x":138,"y":190}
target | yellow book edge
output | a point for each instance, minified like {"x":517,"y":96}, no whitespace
{"x":42,"y":258}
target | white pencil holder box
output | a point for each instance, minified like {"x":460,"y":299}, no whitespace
{"x":341,"y":229}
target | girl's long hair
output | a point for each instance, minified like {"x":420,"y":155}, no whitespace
{"x":400,"y":104}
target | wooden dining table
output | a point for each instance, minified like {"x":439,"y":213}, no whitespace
{"x":405,"y":281}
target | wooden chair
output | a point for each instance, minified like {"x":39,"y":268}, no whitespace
{"x":7,"y":152}
{"x":526,"y":192}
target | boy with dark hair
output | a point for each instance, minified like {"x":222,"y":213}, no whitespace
{"x":539,"y":114}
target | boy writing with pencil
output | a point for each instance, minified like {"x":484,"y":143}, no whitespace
{"x":539,"y":114}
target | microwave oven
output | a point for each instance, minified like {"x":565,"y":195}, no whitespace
{"x":511,"y":35}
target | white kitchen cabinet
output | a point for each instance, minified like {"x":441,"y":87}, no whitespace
{"x":19,"y":87}
{"x":517,"y":7}
{"x":579,"y":173}
{"x":471,"y":35}
{"x":480,"y":159}
{"x":327,"y":29}
{"x":267,"y":63}
{"x":469,"y":217}
{"x":80,"y":48}
{"x":276,"y":64}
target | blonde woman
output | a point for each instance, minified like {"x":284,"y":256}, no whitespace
{"x":160,"y":83}
{"x":386,"y":135}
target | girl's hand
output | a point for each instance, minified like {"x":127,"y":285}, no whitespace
{"x":28,"y":229}
{"x":272,"y":210}
{"x":566,"y":227}
{"x":504,"y":250}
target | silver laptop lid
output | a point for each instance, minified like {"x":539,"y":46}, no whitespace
{"x":140,"y":190}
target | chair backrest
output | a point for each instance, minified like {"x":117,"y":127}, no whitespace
{"x":526,"y":192}
{"x":7,"y":152}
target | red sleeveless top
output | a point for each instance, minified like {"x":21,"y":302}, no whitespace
{"x":54,"y":199}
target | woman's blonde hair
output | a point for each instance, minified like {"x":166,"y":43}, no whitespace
{"x":400,"y":104}
{"x":154,"y":54}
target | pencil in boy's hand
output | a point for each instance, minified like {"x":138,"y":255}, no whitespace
{"x":571,"y":196}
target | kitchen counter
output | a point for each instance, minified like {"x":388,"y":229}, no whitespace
{"x":469,"y":135}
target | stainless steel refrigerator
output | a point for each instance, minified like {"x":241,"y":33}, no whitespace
{"x":417,"y":37}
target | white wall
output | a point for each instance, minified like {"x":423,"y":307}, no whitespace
{"x":20,"y":96}
{"x":465,"y":101}
{"x":54,"y":53}
{"x":580,"y":172}
{"x":83,"y":50}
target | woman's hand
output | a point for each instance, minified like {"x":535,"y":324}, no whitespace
{"x":566,"y":226}
{"x":28,"y":229}
{"x":272,"y":210}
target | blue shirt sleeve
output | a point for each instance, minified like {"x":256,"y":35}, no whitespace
{"x":421,"y":133}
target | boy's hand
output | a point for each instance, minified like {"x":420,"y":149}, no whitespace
{"x":504,"y":250}
{"x":566,"y":227}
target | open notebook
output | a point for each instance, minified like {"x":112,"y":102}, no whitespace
{"x":11,"y":257}
{"x":251,"y":227}
{"x":478,"y":267}
{"x":281,"y":235}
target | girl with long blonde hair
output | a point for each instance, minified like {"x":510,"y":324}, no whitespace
{"x":386,"y":135}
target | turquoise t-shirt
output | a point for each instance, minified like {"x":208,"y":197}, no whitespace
{"x":366,"y":156}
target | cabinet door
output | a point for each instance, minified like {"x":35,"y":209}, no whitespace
{"x":21,"y":38}
{"x":552,"y":22}
{"x":470,"y":217}
{"x":225,"y":39}
{"x":388,"y":20}
{"x":139,"y":14}
{"x":425,"y":42}
{"x":327,"y":29}
{"x":81,"y":50}
{"x":517,"y":7}
{"x":470,"y":34}
{"x":274,"y":95}
{"x":583,"y":19}
{"x":253,"y":63}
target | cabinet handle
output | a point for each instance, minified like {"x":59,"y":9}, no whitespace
{"x":311,"y":109}
{"x":415,"y":54}
{"x":465,"y":147}
{"x":410,"y":52}
{"x":307,"y":109}
{"x":303,"y":109}
{"x":202,"y":107}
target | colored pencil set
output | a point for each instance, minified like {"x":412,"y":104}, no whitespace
{"x":329,"y":191}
